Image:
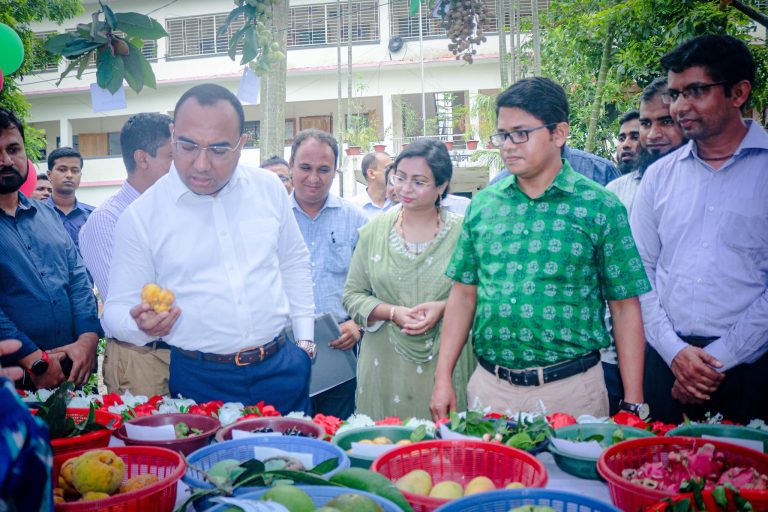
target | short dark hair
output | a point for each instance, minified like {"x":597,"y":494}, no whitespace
{"x":313,"y":133}
{"x":653,"y":89}
{"x":541,"y":97}
{"x":629,"y":116}
{"x":210,"y":94}
{"x":146,"y":131}
{"x":369,"y":161}
{"x":42,"y":176}
{"x":437,"y":157}
{"x":274,"y":160}
{"x":63,"y":152}
{"x":9,"y":120}
{"x":726,"y":59}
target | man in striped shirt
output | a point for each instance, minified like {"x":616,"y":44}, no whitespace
{"x":146,"y":145}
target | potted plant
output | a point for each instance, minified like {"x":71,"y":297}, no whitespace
{"x":484,"y":110}
{"x":360,"y":139}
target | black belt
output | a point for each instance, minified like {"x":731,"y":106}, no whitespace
{"x":158,"y":345}
{"x":698,"y":341}
{"x":243,"y":357}
{"x":552,"y":373}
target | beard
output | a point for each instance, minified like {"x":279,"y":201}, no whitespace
{"x":12,"y":182}
{"x":649,"y":157}
{"x":627,"y":166}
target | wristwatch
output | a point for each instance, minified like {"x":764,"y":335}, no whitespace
{"x":308,"y":346}
{"x":642,"y":410}
{"x":40,"y":366}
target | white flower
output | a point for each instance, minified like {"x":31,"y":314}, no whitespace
{"x":133,"y":401}
{"x":229,"y":412}
{"x":118,"y":408}
{"x":356,"y":421}
{"x":298,"y":415}
{"x":174,"y":404}
{"x":79,"y":402}
{"x":758,"y":424}
{"x":417,"y":422}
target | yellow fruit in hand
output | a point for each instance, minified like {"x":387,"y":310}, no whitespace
{"x":158,"y":298}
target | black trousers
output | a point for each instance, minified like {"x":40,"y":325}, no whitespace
{"x":338,"y":401}
{"x":741,"y":397}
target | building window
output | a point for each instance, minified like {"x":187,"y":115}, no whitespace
{"x":319,"y":24}
{"x":198,"y":35}
{"x":405,"y":25}
{"x":149,"y":50}
{"x":43,"y":60}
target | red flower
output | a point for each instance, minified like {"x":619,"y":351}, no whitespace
{"x":197,"y":409}
{"x":139,"y":410}
{"x":249,"y":416}
{"x":629,"y":419}
{"x":330,"y":423}
{"x":269,"y":410}
{"x":495,"y":415}
{"x":561,"y":419}
{"x":259,"y":410}
{"x":442,"y":421}
{"x":389,"y":420}
{"x":729,"y":422}
{"x":154,"y":401}
{"x":208,"y":408}
{"x":660,"y":428}
{"x":111,"y":399}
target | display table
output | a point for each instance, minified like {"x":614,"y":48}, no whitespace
{"x":562,"y":481}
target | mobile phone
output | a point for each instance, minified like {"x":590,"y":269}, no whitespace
{"x":66,"y":366}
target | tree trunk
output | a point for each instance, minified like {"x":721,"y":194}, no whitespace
{"x":500,"y":20}
{"x":513,"y":47}
{"x":597,"y":105}
{"x":754,"y":14}
{"x":273,"y":89}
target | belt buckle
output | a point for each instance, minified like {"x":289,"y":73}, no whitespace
{"x":262,"y":355}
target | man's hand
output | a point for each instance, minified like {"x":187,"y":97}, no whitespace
{"x":350,"y":335}
{"x":443,"y":399}
{"x":423,"y":317}
{"x":154,"y":324}
{"x":54,"y":376}
{"x":10,"y":347}
{"x":83,"y":355}
{"x":695,"y":372}
{"x":680,"y":394}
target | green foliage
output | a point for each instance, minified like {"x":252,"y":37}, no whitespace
{"x":18,"y":14}
{"x":259,"y":48}
{"x":643,"y":31}
{"x":118,"y":57}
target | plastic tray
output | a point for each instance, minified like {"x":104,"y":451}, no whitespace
{"x":736,"y":431}
{"x":209,"y":425}
{"x":276,"y":423}
{"x":394,"y":433}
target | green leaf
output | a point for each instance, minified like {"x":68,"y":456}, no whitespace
{"x":134,"y":71}
{"x":683,"y":505}
{"x":110,"y":71}
{"x":149,"y":75}
{"x":79,"y":46}
{"x":84,"y":60}
{"x":56,"y":44}
{"x":418,"y":434}
{"x":721,"y":499}
{"x":235,"y":40}
{"x":414,"y":8}
{"x":233,"y":14}
{"x":250,"y":47}
{"x":72,"y":64}
{"x":326,"y":466}
{"x":253,"y":470}
{"x":301,"y":477}
{"x":139,"y":25}
{"x":109,"y":16}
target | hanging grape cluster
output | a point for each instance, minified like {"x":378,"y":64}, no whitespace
{"x":464,"y":20}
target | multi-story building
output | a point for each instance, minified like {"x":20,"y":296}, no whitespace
{"x":400,"y":65}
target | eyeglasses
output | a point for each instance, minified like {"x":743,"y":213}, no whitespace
{"x":692,"y":92}
{"x":398,"y":180}
{"x":190,"y":150}
{"x":284,"y":178}
{"x":516,"y":136}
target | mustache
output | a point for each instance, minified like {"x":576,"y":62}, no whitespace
{"x":9,"y":168}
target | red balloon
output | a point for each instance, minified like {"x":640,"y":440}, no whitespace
{"x":29,"y":185}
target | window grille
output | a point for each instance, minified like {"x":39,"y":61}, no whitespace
{"x":198,"y":35}
{"x":317,"y":24}
{"x":253,"y":130}
{"x":44,"y":60}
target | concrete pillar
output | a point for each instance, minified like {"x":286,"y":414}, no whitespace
{"x":65,"y":132}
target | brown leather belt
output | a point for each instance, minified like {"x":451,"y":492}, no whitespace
{"x":530,"y":377}
{"x":250,"y":355}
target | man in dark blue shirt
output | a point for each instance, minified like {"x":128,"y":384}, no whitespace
{"x":592,"y":166}
{"x":65,"y":168}
{"x":46,"y":300}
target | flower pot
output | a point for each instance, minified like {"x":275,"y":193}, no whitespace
{"x":379,"y":147}
{"x":448,"y":144}
{"x":353,"y":150}
{"x":472,"y":144}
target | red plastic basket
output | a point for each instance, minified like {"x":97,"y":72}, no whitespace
{"x":187,"y":445}
{"x":709,"y":502}
{"x":635,"y":452}
{"x":460,"y":461}
{"x":168,"y":465}
{"x":96,"y":439}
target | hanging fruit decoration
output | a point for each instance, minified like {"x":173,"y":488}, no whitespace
{"x":464,"y":20}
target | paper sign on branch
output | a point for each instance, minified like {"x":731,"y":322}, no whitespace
{"x":102,"y":100}
{"x":249,"y":89}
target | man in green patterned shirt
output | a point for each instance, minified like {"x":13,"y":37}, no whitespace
{"x":539,"y":255}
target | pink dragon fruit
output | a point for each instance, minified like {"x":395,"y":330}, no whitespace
{"x":706,"y":462}
{"x":744,"y":478}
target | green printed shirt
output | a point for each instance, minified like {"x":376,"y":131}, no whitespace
{"x":544,"y":268}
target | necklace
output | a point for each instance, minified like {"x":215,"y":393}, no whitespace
{"x":419,"y":246}
{"x":716,"y":158}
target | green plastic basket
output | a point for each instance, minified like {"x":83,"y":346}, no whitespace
{"x":393,"y":433}
{"x":586,"y":467}
{"x":718,"y":430}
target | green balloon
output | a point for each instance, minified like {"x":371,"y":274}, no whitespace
{"x":12,"y":54}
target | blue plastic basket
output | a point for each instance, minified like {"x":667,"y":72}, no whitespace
{"x":242,"y":450}
{"x":502,"y":501}
{"x":320,"y":495}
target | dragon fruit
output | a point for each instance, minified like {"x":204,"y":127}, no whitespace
{"x":705,"y":463}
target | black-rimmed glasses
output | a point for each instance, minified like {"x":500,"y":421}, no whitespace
{"x":516,"y":136}
{"x":692,"y":92}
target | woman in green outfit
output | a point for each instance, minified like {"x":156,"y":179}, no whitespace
{"x":397,"y":288}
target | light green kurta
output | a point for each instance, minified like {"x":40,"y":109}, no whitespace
{"x":395,"y":372}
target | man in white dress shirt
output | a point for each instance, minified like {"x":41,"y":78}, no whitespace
{"x":373,"y":200}
{"x":224,"y":239}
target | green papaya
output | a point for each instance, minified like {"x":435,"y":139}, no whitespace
{"x":365,"y":480}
